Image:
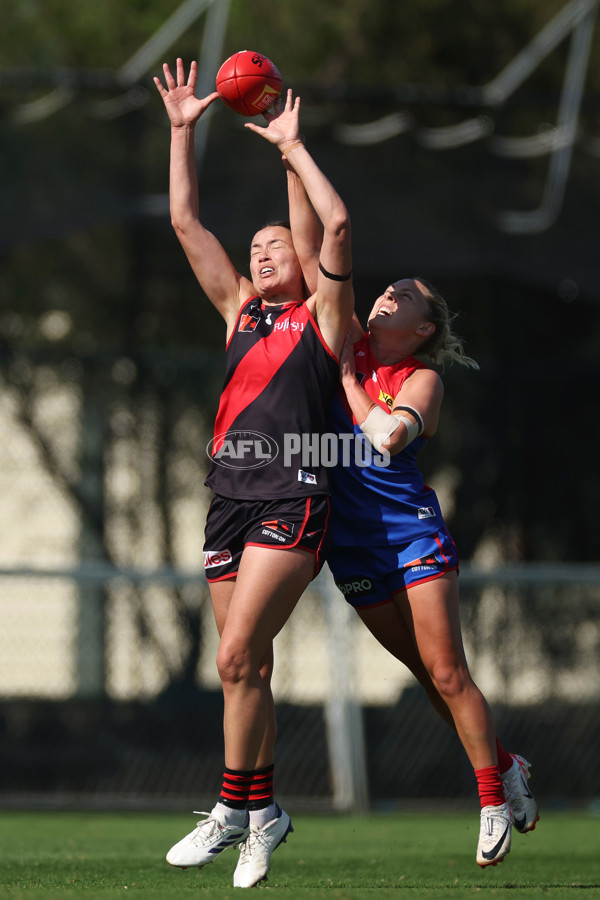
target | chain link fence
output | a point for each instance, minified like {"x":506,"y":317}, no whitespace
{"x":354,"y":728}
{"x":108,"y":685}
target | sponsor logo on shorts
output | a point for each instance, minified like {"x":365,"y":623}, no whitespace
{"x":356,"y":587}
{"x":214,"y":558}
{"x":424,"y":564}
{"x":273,"y":534}
{"x":426,"y":512}
{"x":281,"y":526}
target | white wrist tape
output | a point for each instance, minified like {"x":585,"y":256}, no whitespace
{"x":379,"y":425}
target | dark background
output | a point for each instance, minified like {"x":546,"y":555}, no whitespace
{"x":85,"y":231}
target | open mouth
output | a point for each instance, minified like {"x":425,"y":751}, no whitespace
{"x":267,"y":270}
{"x":384,"y":311}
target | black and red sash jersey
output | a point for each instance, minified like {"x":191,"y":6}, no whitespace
{"x":280,"y":377}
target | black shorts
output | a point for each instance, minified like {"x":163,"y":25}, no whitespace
{"x":232,"y":525}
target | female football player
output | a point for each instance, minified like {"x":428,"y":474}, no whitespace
{"x":267,"y":527}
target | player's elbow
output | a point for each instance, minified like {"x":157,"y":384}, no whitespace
{"x":343,"y":227}
{"x":338,"y":224}
{"x":185,"y":228}
{"x":179,"y":224}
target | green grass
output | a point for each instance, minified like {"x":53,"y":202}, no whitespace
{"x":425,"y":855}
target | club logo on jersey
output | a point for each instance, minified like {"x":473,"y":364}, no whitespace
{"x":242,"y":449}
{"x":248,"y":322}
{"x":280,"y":525}
{"x":426,"y":512}
{"x":356,"y":587}
{"x":214,"y":558}
{"x":386,"y":398}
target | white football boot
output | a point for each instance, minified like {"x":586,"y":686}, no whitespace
{"x":255,"y":852}
{"x":494,"y":835}
{"x":518,"y":795}
{"x":210,"y":837}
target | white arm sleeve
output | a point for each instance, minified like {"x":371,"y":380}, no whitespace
{"x":379,"y":425}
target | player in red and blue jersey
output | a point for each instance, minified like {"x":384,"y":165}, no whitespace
{"x":267,"y":527}
{"x":392,"y":556}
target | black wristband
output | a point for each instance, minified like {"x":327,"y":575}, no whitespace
{"x":335,"y":277}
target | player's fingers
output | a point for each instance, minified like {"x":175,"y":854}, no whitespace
{"x":210,"y":99}
{"x":168,"y":77}
{"x":180,"y":72}
{"x":251,"y":126}
{"x":288,"y":100}
{"x":159,"y":86}
{"x":193,"y":74}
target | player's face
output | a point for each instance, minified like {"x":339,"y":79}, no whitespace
{"x":403,"y":305}
{"x":274,"y":265}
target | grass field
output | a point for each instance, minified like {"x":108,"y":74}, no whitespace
{"x":107,"y":855}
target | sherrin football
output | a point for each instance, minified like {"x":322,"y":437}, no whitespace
{"x":248,"y":83}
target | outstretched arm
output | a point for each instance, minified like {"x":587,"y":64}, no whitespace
{"x":333,"y":301}
{"x":223,"y":285}
{"x":307,"y":234}
{"x":306,"y":227}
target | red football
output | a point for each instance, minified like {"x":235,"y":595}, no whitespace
{"x":248,"y":83}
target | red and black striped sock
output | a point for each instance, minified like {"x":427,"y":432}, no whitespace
{"x":236,"y":788}
{"x":261,"y":789}
{"x":251,"y":790}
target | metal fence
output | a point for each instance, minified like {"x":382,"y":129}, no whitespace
{"x":110,"y":694}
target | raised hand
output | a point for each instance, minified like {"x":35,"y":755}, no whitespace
{"x":182,"y":106}
{"x":282,"y":127}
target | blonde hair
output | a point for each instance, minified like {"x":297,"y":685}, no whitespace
{"x":443,"y":345}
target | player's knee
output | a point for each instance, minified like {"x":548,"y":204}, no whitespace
{"x":449,"y":677}
{"x":266,"y":671}
{"x":233,"y":663}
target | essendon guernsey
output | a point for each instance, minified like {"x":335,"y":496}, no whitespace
{"x":279,"y":380}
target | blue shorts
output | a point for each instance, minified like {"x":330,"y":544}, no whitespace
{"x":369,"y":576}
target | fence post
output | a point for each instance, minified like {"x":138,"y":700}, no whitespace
{"x":343,"y":713}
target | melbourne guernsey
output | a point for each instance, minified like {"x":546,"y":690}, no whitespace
{"x":377,"y":500}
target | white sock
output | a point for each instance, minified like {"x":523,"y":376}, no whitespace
{"x":232,"y":816}
{"x":261,"y":817}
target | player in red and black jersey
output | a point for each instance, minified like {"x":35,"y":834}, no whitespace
{"x":282,"y":368}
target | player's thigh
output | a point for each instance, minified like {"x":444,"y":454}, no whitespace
{"x":431,"y":612}
{"x":221,"y":593}
{"x":269,"y":583}
{"x":386,"y":623}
